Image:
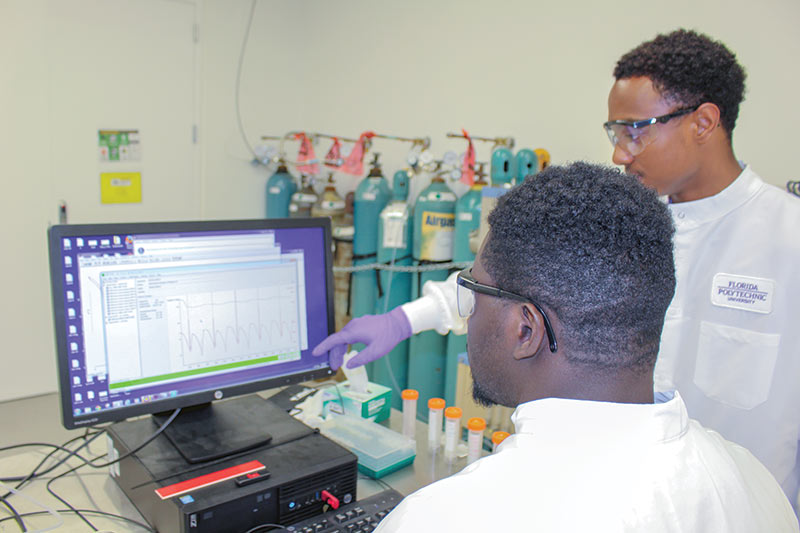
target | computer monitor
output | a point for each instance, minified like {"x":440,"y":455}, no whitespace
{"x":150,"y":317}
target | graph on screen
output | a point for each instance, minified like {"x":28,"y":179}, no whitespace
{"x":212,"y":317}
{"x":212,"y":327}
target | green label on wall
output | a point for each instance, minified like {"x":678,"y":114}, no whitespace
{"x":119,"y":145}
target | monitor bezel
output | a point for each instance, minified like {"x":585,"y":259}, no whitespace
{"x":58,"y":232}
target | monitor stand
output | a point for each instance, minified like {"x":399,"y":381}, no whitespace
{"x":213,"y":430}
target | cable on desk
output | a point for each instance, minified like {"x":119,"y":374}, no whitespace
{"x":87,"y":511}
{"x":150,"y":439}
{"x":376,"y":480}
{"x":15,"y":515}
{"x":36,"y":502}
{"x":34,"y":473}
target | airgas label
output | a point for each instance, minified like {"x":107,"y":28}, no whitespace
{"x":743,"y":292}
{"x":437,"y":236}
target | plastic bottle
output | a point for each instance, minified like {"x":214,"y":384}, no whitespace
{"x":452,"y":430}
{"x":410,"y":397}
{"x":497,"y":438}
{"x":435,"y":411}
{"x":475,"y":427}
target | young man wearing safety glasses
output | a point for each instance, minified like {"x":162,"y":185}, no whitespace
{"x":565,"y":304}
{"x":731,"y":340}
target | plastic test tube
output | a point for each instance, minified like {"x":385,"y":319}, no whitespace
{"x":475,"y":427}
{"x":435,"y":410}
{"x":410,"y":397}
{"x":497,"y":438}
{"x":452,"y":430}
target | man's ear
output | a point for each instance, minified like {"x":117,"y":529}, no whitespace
{"x":530,"y":332}
{"x":706,"y":121}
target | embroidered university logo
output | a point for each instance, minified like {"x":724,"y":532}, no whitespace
{"x":743,"y":292}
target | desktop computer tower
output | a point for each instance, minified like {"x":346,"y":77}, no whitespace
{"x":212,"y":497}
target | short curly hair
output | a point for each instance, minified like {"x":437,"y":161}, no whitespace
{"x":594,"y":247}
{"x":690,"y":68}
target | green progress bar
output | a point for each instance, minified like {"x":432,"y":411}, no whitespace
{"x":198,"y":371}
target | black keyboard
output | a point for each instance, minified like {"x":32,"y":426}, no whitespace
{"x":359,"y":517}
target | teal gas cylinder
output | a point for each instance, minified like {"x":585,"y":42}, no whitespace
{"x":434,"y":229}
{"x":280,"y":188}
{"x":502,"y":169}
{"x":468,"y":218}
{"x":394,"y":288}
{"x":526,"y":163}
{"x":372,"y":195}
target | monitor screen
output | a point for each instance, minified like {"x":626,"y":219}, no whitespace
{"x":152,"y":317}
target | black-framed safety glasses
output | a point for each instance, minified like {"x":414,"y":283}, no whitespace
{"x":465,"y":297}
{"x":635,"y":135}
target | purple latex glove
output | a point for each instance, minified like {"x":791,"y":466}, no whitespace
{"x":380,"y":333}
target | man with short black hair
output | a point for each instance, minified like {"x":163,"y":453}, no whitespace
{"x":731,"y":342}
{"x":565,"y":304}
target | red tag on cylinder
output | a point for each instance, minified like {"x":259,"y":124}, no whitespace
{"x":468,"y":166}
{"x":306,"y":154}
{"x":355,"y":161}
{"x":333,"y":158}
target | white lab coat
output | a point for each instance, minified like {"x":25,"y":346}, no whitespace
{"x":738,"y":368}
{"x":576,"y":465}
{"x":731,"y":341}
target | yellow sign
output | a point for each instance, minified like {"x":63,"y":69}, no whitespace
{"x":121,"y":187}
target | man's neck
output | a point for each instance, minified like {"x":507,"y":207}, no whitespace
{"x":584,"y":383}
{"x":711,"y":178}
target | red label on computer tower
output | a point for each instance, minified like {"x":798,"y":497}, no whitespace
{"x":208,"y":479}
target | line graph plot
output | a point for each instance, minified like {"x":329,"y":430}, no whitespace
{"x":216,"y":326}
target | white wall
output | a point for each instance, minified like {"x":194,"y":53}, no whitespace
{"x":538,"y":71}
{"x":68,"y":69}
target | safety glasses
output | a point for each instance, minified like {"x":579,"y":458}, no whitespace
{"x":634,"y":136}
{"x":465,"y":297}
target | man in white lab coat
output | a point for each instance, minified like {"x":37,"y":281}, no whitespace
{"x":566,"y":301}
{"x":731,"y":340}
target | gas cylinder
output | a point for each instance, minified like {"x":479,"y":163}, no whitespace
{"x":330,"y":204}
{"x":280,"y":188}
{"x":343,"y":257}
{"x":394,"y":288}
{"x":526,"y":164}
{"x":304,"y":199}
{"x":468,"y":218}
{"x":503,"y":168}
{"x":434,"y":228}
{"x":372,"y":195}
